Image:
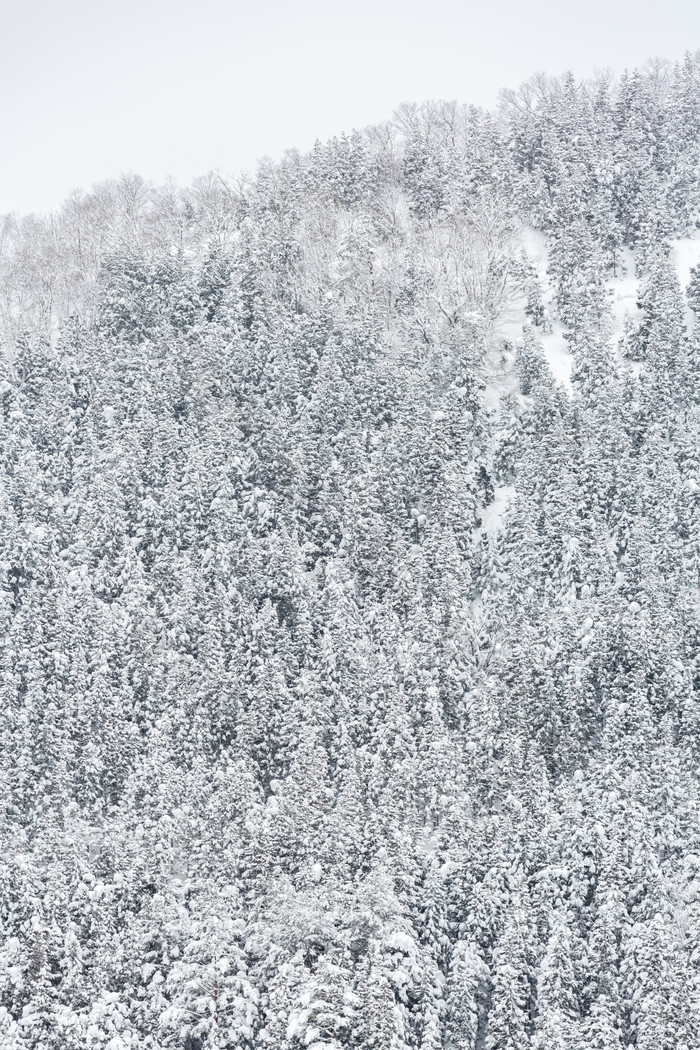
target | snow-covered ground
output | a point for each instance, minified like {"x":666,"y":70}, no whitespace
{"x":555,"y":347}
{"x":501,"y":378}
{"x":625,"y":289}
{"x":557,"y":352}
{"x":685,"y":253}
{"x":493,"y":516}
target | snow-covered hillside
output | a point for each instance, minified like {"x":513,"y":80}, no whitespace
{"x":350,"y":592}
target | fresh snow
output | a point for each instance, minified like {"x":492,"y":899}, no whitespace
{"x":493,"y":516}
{"x":274,"y":700}
{"x":625,"y":290}
{"x":554,"y":344}
{"x":685,"y":254}
{"x":555,"y":347}
{"x":558,"y":355}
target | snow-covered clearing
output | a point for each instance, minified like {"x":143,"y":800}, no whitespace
{"x":554,"y":344}
{"x":500,"y":375}
{"x":558,"y":355}
{"x":685,"y":254}
{"x":493,"y":516}
{"x":624,"y":289}
{"x":499,"y":365}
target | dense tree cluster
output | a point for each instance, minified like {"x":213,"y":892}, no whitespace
{"x":350,"y":664}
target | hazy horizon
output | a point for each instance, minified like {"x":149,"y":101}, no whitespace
{"x":170,"y":90}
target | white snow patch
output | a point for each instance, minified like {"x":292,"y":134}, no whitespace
{"x":500,"y":375}
{"x":493,"y":516}
{"x":510,"y":322}
{"x":685,"y":255}
{"x":555,"y":347}
{"x":402,"y":942}
{"x":558,"y":355}
{"x":535,"y":244}
{"x":625,"y":290}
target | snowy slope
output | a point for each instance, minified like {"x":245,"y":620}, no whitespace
{"x":555,"y":346}
{"x":625,"y":290}
{"x":685,"y":253}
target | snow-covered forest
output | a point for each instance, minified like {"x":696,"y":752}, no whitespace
{"x":349,"y":602}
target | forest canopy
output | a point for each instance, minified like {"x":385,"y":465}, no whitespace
{"x":349,"y":590}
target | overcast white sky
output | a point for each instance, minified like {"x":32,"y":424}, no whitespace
{"x":174,"y":87}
